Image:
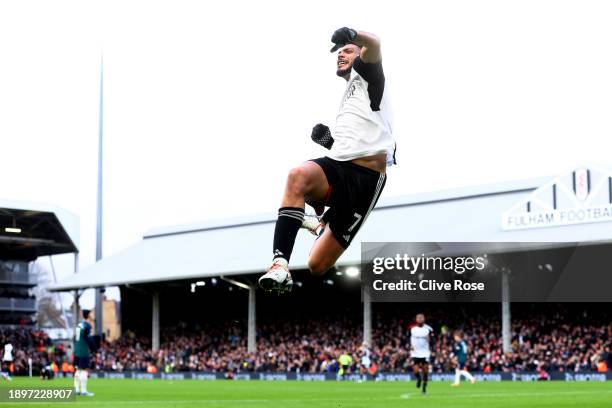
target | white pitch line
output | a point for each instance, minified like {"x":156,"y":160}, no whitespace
{"x":221,"y":401}
{"x":343,"y":399}
{"x":507,"y":394}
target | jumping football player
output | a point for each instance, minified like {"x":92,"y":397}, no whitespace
{"x":351,"y":177}
{"x":83,"y":344}
{"x":420,"y":352}
{"x":460,"y":352}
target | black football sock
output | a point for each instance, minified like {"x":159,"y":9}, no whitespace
{"x":287,"y":226}
{"x":418,"y":377}
{"x":425,"y":375}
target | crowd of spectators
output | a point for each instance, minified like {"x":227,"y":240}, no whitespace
{"x":29,"y":344}
{"x":553,"y":341}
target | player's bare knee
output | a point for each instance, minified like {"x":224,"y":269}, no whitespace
{"x":297,"y":180}
{"x":317,"y":266}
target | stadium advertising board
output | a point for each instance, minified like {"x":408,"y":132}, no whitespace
{"x":392,"y":377}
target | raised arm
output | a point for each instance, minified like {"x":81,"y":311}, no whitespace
{"x":370,"y":51}
{"x":370,"y":47}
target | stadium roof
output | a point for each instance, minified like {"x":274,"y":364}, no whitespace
{"x":29,"y":230}
{"x":243,"y":245}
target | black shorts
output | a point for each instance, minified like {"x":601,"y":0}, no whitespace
{"x":354,"y":192}
{"x":420,"y":361}
{"x":84,"y":363}
{"x":461,"y":364}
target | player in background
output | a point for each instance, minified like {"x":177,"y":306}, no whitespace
{"x":351,"y":177}
{"x":46,"y":372}
{"x":460,"y":353}
{"x":345,"y":361}
{"x":83,"y":344}
{"x":420,"y":335}
{"x":7,"y":360}
{"x":366,"y":361}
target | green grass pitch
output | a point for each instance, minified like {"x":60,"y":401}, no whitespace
{"x":128,"y":393}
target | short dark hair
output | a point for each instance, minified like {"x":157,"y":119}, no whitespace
{"x":86,"y":313}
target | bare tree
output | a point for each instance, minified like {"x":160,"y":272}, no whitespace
{"x":50,"y":309}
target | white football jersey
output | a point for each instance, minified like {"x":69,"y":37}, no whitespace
{"x":419,"y":341}
{"x":364,"y":121}
{"x":8,"y":352}
{"x":365,"y":359}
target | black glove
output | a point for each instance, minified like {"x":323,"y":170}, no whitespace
{"x":321,"y":135}
{"x":341,"y":37}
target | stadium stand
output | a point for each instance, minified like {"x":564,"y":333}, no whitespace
{"x":552,"y":337}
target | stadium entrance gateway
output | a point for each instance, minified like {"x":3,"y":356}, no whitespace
{"x":573,"y":207}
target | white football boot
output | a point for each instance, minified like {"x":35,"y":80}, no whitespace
{"x":277,"y":278}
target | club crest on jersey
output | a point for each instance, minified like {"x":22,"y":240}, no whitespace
{"x":350,"y":92}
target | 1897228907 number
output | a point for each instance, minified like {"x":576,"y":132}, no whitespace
{"x":36,"y":394}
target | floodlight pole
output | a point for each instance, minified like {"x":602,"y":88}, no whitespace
{"x":99,"y":315}
{"x":506,"y":318}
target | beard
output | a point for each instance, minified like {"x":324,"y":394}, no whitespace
{"x":342,"y":72}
